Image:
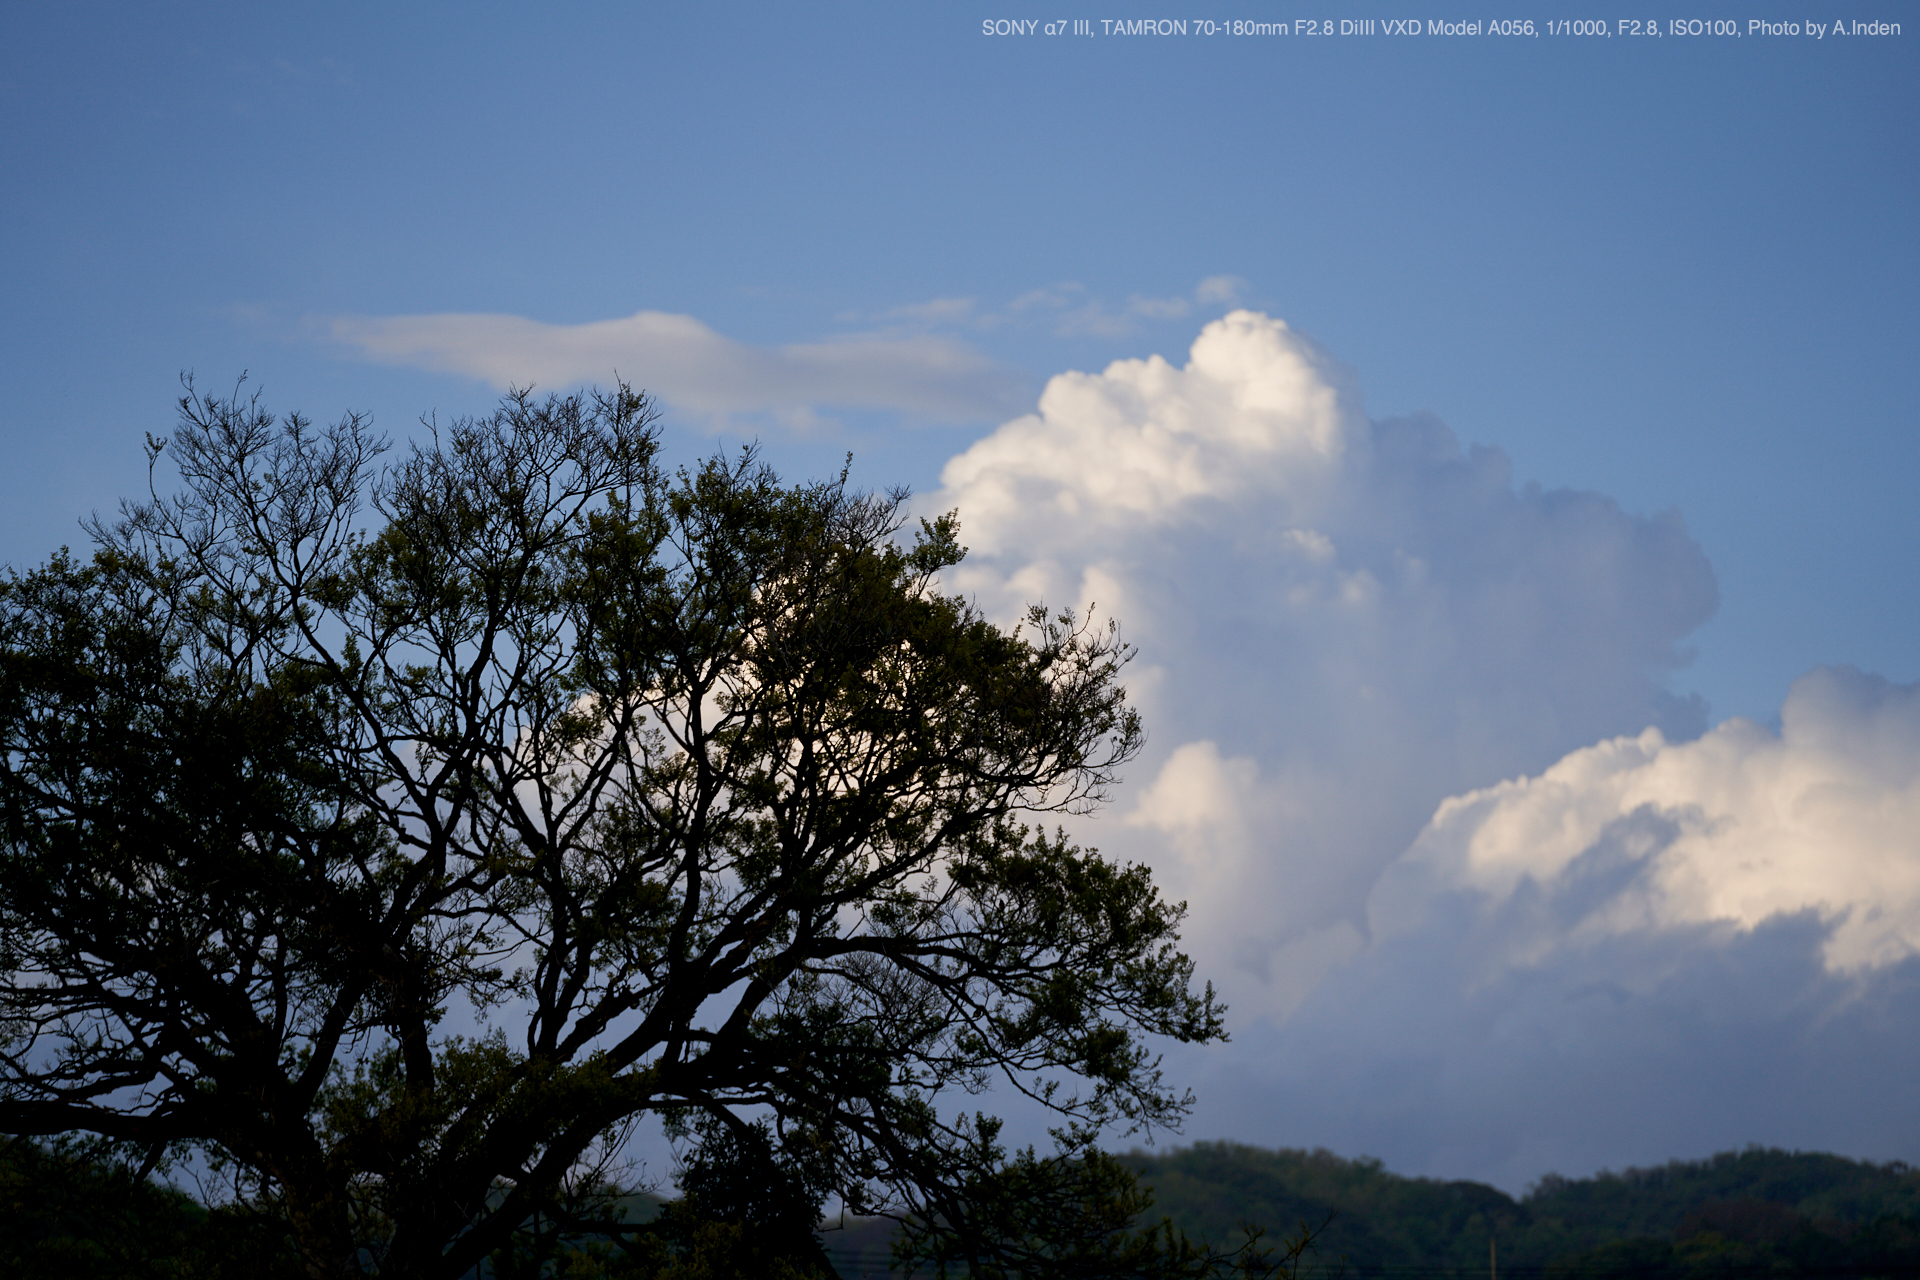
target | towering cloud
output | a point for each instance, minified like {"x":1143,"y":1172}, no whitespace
{"x":1342,"y":622}
{"x":1486,"y":898}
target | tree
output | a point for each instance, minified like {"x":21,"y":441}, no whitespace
{"x":691,"y":793}
{"x":747,"y":1208}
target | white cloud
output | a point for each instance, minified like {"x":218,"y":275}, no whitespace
{"x":1257,"y":413}
{"x":689,"y":365}
{"x":1342,"y":622}
{"x":1638,"y":834}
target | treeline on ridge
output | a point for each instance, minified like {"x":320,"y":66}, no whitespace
{"x":1749,"y":1213}
{"x":1754,"y":1212}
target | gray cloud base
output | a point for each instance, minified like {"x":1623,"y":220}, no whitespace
{"x":1634,"y":1051}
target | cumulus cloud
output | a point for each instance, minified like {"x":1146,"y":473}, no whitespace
{"x":1342,"y":622}
{"x":689,"y":365}
{"x":1486,"y":897}
{"x":1650,"y":949}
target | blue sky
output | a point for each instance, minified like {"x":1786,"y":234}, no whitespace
{"x":1672,"y":274}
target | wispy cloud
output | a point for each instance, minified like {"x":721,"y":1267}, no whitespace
{"x":1092,"y":317}
{"x":689,"y":365}
{"x":936,"y":311}
{"x":1065,"y":309}
{"x":1221,"y":289}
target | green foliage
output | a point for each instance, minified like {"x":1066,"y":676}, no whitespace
{"x":1657,"y":1200}
{"x":694,"y":789}
{"x":1752,"y":1212}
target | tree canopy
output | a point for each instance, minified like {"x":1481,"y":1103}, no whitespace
{"x":389,"y":836}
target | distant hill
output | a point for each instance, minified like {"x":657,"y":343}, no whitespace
{"x":1755,"y":1212}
